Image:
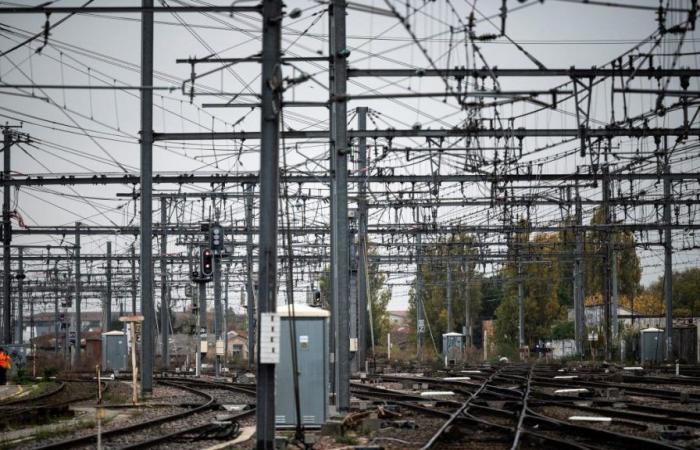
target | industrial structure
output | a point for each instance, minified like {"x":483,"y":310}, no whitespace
{"x":290,"y":154}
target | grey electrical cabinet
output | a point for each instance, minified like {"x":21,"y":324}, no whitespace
{"x":311,"y":342}
{"x":652,"y":345}
{"x":115,"y":352}
{"x":452,"y":348}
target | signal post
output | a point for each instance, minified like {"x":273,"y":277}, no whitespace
{"x":202,"y":276}
{"x":210,"y":270}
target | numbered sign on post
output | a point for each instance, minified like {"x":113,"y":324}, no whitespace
{"x":269,"y":338}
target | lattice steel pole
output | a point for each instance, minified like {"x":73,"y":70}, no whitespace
{"x":147,"y":333}
{"x":340,"y":245}
{"x":271,"y":81}
{"x":6,"y":241}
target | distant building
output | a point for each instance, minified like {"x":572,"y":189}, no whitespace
{"x":237,"y":344}
{"x":398,"y":318}
{"x":595,"y":316}
{"x":44,"y":323}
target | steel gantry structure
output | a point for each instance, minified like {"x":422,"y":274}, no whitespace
{"x":380,"y":195}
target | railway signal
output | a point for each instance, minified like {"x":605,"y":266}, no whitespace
{"x":206,"y":263}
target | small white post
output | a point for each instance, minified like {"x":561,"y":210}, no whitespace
{"x":99,"y":384}
{"x":132,"y":321}
{"x":388,"y":346}
{"x":134,"y":368}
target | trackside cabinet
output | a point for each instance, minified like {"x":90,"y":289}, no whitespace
{"x":311,"y":341}
{"x":452,"y":348}
{"x":653,"y":345}
{"x":115,"y":352}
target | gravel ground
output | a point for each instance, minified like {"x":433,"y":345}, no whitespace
{"x":166,"y":400}
{"x":30,"y":412}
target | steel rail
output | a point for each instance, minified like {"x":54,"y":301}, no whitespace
{"x":650,"y":416}
{"x":598,"y":434}
{"x":523,"y":411}
{"x":247,"y":389}
{"x":658,"y":393}
{"x":466,"y":418}
{"x":91,"y":438}
{"x":11,"y":413}
{"x":43,"y":395}
{"x":438,"y":434}
{"x":194,"y":429}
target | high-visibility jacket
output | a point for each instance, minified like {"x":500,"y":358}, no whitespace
{"x":5,"y":361}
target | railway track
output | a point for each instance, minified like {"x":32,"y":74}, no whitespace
{"x":509,"y":408}
{"x":43,"y":407}
{"x":179,"y":428}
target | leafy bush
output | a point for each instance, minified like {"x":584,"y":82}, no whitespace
{"x":562,"y":330}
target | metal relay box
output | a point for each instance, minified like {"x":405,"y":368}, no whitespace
{"x":311,"y":341}
{"x":115,"y":351}
{"x":452,"y":348}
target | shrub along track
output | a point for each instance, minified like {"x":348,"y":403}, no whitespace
{"x":41,"y":408}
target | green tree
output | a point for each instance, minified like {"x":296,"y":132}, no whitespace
{"x":686,"y":292}
{"x":567,"y":256}
{"x":629,"y":268}
{"x":380,"y":295}
{"x":459,"y":252}
{"x":541,"y":283}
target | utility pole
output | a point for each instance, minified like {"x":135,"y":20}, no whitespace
{"x":353,"y":303}
{"x":6,"y":240}
{"x":607,"y":258}
{"x":202,"y":302}
{"x":614,"y":294}
{"x":420,"y":322}
{"x":225,"y":330}
{"x":107,"y":319}
{"x":579,"y":307}
{"x":133,"y":280}
{"x":218,"y":313}
{"x":250,"y":290}
{"x":147,"y":333}
{"x":75,"y":357}
{"x":340,"y":248}
{"x":449,"y":299}
{"x":362,"y":239}
{"x":668,"y":256}
{"x":56,"y":321}
{"x":164,"y":298}
{"x":467,"y":305}
{"x":67,"y":323}
{"x":19,"y":322}
{"x":521,"y":305}
{"x":271,"y":88}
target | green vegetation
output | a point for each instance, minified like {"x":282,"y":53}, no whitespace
{"x":466,"y":284}
{"x":67,"y":428}
{"x":380,"y":294}
{"x":22,"y":377}
{"x":346,"y":439}
{"x":686,"y":293}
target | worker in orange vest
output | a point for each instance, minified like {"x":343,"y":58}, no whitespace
{"x":5,"y":364}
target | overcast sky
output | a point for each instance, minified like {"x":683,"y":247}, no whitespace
{"x":84,"y":131}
